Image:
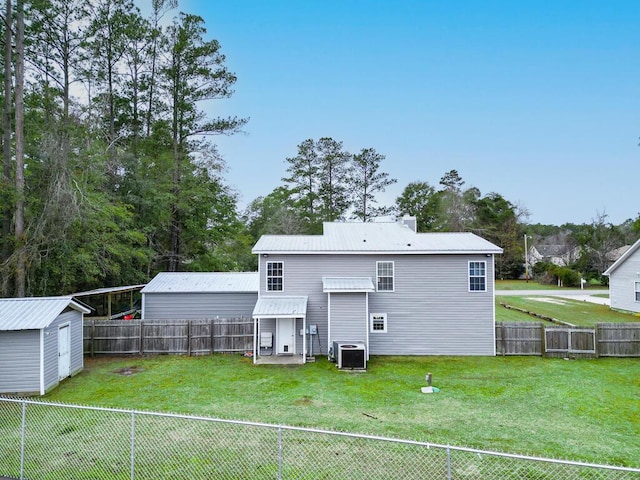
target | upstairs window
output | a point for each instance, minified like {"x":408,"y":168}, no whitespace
{"x":275,"y":276}
{"x":637,"y":291}
{"x":477,"y":276}
{"x":384,"y":276}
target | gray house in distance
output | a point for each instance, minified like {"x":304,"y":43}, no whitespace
{"x":377,"y":288}
{"x":40,"y":343}
{"x":624,"y":280}
{"x":200,"y":295}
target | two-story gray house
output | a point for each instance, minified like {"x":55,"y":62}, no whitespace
{"x":380,"y":287}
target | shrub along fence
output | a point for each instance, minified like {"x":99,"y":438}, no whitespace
{"x":184,"y":337}
{"x":535,"y":338}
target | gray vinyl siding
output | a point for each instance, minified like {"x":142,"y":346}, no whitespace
{"x":348,"y":317}
{"x":74,"y":319}
{"x":197,"y":306}
{"x":431,"y":311}
{"x":621,"y":284}
{"x":20,"y":361}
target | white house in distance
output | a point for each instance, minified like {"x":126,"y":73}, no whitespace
{"x":624,"y":280}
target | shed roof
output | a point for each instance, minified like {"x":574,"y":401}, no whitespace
{"x":623,"y":258}
{"x":34,"y":313}
{"x":347,"y":284}
{"x":105,"y":290}
{"x":280,"y":307}
{"x":203,"y":282}
{"x":383,"y":237}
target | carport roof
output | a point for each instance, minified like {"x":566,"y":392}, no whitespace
{"x":34,"y":313}
{"x":281,"y":307}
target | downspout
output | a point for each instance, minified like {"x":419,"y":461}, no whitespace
{"x":366,"y":320}
{"x":493,"y":303}
{"x":329,"y":324}
{"x":42,"y":392}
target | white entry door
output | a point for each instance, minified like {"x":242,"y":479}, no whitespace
{"x":64,"y":352}
{"x":286,"y":335}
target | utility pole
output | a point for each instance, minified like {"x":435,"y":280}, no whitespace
{"x":526,"y":259}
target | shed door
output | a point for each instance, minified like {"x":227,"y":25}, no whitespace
{"x":285,"y":335}
{"x":64,"y":352}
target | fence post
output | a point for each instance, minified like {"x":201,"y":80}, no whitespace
{"x":189,"y":338}
{"x":24,"y":437}
{"x":133,"y":444}
{"x":448,"y":463}
{"x":279,"y":452}
{"x":211,"y":334}
{"x":141,"y":337}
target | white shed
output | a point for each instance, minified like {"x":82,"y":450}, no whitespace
{"x":40,"y":343}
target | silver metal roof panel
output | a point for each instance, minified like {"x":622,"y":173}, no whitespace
{"x":280,"y":307}
{"x":347,"y":284}
{"x":388,"y":237}
{"x":203,"y":282}
{"x":34,"y":313}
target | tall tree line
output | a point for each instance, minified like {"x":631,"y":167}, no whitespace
{"x":109,"y":174}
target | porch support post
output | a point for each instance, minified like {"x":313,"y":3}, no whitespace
{"x":256,"y":335}
{"x":304,"y":339}
{"x":366,"y":320}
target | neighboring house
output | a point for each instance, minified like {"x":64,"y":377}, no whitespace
{"x":559,"y":255}
{"x":200,"y":295}
{"x":40,"y":343}
{"x":624,"y":280}
{"x":379,"y":285}
{"x":613,"y":255}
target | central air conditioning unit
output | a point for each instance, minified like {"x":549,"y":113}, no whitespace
{"x":352,"y":355}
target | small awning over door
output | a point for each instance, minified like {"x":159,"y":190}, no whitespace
{"x":347,"y":284}
{"x":281,"y":307}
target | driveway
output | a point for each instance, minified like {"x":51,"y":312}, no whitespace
{"x":583,"y":295}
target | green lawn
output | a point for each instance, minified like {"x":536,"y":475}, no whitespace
{"x":580,"y":410}
{"x":573,"y":311}
{"x":531,"y":285}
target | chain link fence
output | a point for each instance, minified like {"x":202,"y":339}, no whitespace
{"x":40,"y":440}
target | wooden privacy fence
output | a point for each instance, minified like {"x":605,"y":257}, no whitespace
{"x":185,"y":337}
{"x":535,"y":338}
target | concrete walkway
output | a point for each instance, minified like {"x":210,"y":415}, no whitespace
{"x":580,"y":295}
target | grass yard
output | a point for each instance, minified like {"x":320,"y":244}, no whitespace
{"x":581,"y":410}
{"x":579,"y":313}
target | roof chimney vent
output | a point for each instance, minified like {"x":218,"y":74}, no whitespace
{"x":410,"y":221}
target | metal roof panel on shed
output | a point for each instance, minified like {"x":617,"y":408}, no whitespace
{"x":33,"y":313}
{"x":383,"y":237}
{"x":203,"y":282}
{"x":280,"y":307}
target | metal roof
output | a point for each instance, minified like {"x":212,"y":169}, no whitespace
{"x":387,"y":237}
{"x":203,"y":282}
{"x":280,"y":307}
{"x":347,"y":284}
{"x":33,"y":313}
{"x":100,"y":291}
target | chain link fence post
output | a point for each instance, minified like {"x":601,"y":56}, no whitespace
{"x":133,"y":444}
{"x":279,"y":452}
{"x":448,"y":463}
{"x":24,"y":437}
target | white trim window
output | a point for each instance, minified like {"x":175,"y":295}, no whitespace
{"x":385,"y":276}
{"x":378,"y":323}
{"x":637,"y":291}
{"x":478,"y":276}
{"x":275,"y":276}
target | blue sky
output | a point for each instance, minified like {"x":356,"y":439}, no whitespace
{"x":537,"y":101}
